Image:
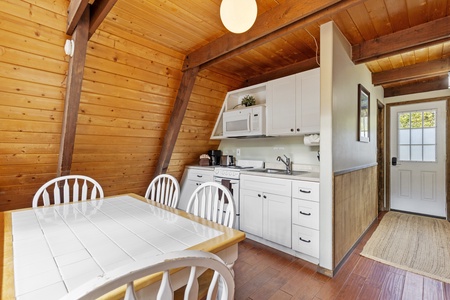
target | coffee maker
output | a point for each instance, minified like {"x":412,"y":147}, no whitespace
{"x":214,"y":157}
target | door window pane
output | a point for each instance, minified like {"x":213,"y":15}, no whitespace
{"x":417,"y":136}
{"x":429,"y":153}
{"x":429,"y":136}
{"x":404,"y":136}
{"x":416,"y":153}
{"x":403,"y":153}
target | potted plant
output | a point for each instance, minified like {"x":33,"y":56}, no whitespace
{"x":248,"y":100}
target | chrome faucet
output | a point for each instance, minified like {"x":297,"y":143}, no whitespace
{"x":287,"y":163}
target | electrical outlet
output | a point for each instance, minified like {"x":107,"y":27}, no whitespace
{"x":238,"y":152}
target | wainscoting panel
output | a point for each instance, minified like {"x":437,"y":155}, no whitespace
{"x":355,"y":207}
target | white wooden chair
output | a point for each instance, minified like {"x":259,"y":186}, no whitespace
{"x":195,"y":259}
{"x":214,"y":202}
{"x":74,"y":188}
{"x":164,"y":189}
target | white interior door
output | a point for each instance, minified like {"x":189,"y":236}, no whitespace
{"x":418,"y":158}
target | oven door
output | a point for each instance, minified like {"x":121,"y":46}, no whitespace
{"x":233,"y":186}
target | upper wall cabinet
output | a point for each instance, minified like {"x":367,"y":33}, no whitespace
{"x":233,"y":102}
{"x":293,"y":104}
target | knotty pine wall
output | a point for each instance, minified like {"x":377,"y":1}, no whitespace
{"x":129,"y":88}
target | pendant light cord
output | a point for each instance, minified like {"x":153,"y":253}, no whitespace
{"x":317,"y":47}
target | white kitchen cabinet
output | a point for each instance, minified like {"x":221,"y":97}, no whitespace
{"x":281,"y":104}
{"x":293,"y":104}
{"x":192,"y":178}
{"x":251,"y":212}
{"x":305,"y":218}
{"x":308,"y":90}
{"x":266,"y":208}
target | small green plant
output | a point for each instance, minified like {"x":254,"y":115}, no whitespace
{"x":248,"y":100}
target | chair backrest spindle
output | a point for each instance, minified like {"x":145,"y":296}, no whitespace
{"x":62,"y":188}
{"x":214,"y":202}
{"x":164,"y":189}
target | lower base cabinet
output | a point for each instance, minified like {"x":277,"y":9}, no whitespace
{"x":276,"y":226}
{"x":266,"y":208}
{"x":305,"y":240}
{"x":251,"y":212}
{"x":193,"y":177}
{"x":281,"y":213}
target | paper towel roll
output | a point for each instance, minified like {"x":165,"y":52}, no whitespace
{"x":311,"y":140}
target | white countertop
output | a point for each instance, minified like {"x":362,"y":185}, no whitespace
{"x":308,"y":176}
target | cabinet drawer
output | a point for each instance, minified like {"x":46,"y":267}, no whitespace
{"x":200,"y":175}
{"x":305,"y":213}
{"x":305,"y":190}
{"x":270,"y":185}
{"x":305,"y":240}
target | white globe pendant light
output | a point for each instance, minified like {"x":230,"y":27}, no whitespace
{"x":238,"y":15}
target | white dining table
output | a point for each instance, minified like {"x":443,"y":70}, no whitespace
{"x":49,"y":251}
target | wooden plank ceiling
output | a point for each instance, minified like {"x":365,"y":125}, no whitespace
{"x":386,"y":35}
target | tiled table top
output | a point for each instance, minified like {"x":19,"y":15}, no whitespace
{"x":58,"y":248}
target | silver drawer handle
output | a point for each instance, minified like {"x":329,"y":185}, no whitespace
{"x":305,"y":191}
{"x":306,"y":241}
{"x":306,"y":214}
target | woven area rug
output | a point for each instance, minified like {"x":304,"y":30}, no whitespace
{"x":414,"y":243}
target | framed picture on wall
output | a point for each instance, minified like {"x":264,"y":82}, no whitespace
{"x":363,"y":114}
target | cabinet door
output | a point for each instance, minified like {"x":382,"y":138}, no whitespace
{"x":192,"y":178}
{"x":308,"y":106}
{"x":251,"y":210}
{"x":277,"y":219}
{"x":281,"y":106}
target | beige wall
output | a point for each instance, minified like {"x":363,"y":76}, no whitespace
{"x":340,"y":149}
{"x":267,"y":149}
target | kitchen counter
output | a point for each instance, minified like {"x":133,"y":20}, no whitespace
{"x":307,"y":176}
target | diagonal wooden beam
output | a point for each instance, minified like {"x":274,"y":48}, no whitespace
{"x":279,"y":21}
{"x":413,"y":38}
{"x":417,"y":71}
{"x":73,"y":94}
{"x":75,"y":11}
{"x":99,"y":11}
{"x":176,"y":119}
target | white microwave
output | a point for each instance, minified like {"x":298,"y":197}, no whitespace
{"x":248,"y":121}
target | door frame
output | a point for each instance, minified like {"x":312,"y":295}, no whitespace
{"x":388,"y":148}
{"x":380,"y":155}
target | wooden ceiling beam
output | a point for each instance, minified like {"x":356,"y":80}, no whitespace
{"x":427,"y":85}
{"x":413,"y":38}
{"x":412,"y":72}
{"x":75,"y":11}
{"x":279,"y":21}
{"x":98,"y":12}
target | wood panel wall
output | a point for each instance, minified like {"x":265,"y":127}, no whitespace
{"x":129,"y":87}
{"x":355,"y":208}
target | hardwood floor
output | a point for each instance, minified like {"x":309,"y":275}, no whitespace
{"x":265,"y":273}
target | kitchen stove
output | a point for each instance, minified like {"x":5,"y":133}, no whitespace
{"x":229,"y":177}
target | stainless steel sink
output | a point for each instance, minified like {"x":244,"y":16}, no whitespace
{"x":278,"y":171}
